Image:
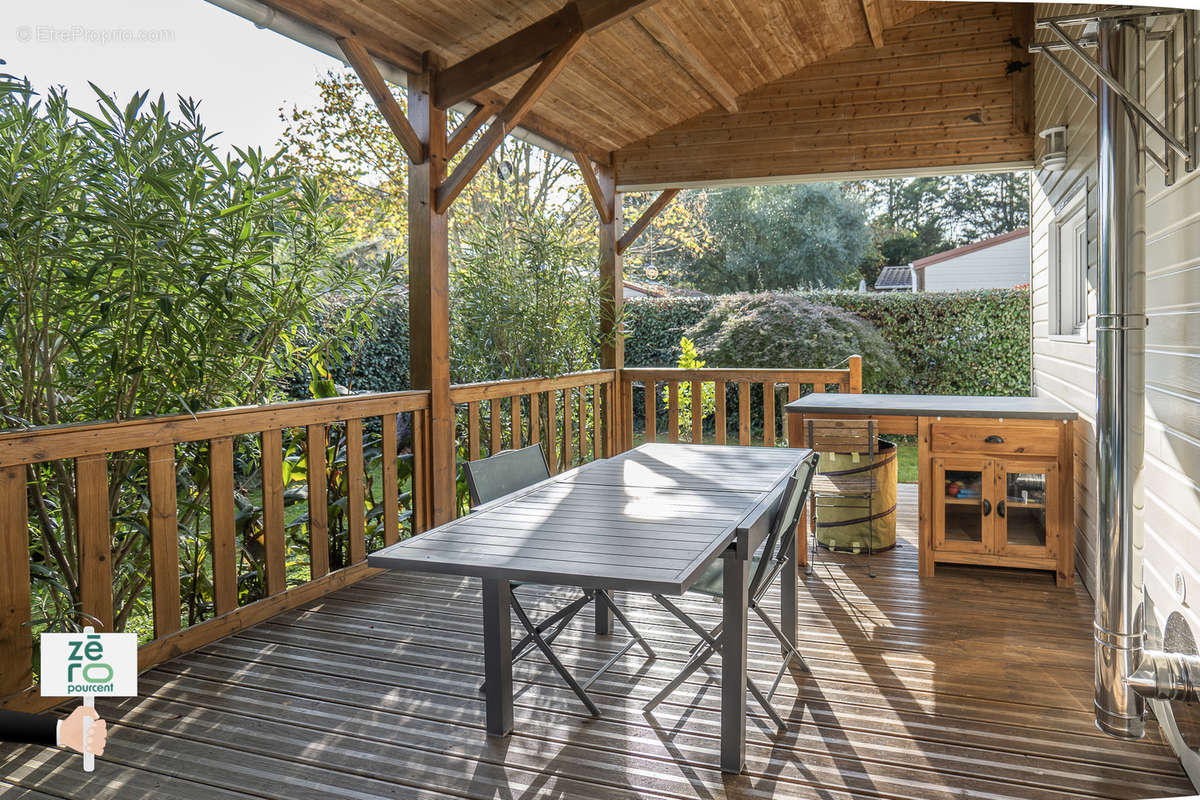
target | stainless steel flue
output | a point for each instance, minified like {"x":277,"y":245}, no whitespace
{"x":1120,"y":384}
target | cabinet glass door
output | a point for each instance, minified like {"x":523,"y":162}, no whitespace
{"x":1025,"y":506}
{"x":961,"y":507}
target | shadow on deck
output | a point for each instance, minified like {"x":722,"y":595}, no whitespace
{"x":975,"y":683}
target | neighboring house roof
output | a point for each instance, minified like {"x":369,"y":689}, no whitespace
{"x":643,"y":289}
{"x":921,"y":263}
{"x":894,"y":278}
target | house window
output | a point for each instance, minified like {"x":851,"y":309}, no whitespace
{"x":1068,"y":269}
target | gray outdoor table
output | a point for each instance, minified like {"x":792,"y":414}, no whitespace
{"x":648,"y":520}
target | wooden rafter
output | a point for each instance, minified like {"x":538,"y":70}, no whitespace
{"x":593,"y":187}
{"x":528,"y":46}
{"x":505,"y":121}
{"x":690,"y":60}
{"x":874,"y":21}
{"x":635,"y":230}
{"x":467,"y":128}
{"x":368,"y":73}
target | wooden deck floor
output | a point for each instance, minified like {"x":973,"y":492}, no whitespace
{"x":974,"y":684}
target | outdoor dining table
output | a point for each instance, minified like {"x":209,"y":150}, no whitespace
{"x":650,"y":520}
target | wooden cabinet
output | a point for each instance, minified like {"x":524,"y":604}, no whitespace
{"x":999,"y":494}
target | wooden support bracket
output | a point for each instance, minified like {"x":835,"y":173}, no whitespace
{"x":467,"y":128}
{"x":368,"y":73}
{"x":603,"y":207}
{"x":505,"y":121}
{"x":635,"y":230}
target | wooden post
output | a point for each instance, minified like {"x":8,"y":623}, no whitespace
{"x":16,"y":638}
{"x":856,"y":374}
{"x":612,"y":278}
{"x":428,"y":291}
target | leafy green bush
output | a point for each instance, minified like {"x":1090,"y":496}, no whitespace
{"x":654,"y":326}
{"x":787,"y":331}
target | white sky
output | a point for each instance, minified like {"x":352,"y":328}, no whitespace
{"x":241,"y":74}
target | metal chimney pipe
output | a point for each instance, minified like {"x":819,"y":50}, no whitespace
{"x":1120,"y":385}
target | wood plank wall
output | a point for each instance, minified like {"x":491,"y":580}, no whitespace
{"x":935,"y":95}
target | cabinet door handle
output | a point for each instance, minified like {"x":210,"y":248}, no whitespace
{"x":987,"y":507}
{"x":1000,"y":509}
{"x":995,"y":439}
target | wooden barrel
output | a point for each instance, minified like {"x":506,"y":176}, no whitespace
{"x":844,"y":523}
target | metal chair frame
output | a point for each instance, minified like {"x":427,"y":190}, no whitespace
{"x":871,"y":449}
{"x":776,"y":554}
{"x":539,"y":636}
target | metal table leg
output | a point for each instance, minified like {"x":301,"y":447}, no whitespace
{"x":736,"y":572}
{"x":604,"y":617}
{"x":787,"y":593}
{"x":497,"y":657}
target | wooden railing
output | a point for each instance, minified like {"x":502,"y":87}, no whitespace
{"x":746,"y":389}
{"x":569,"y":414}
{"x":85,"y":461}
{"x":309,"y":454}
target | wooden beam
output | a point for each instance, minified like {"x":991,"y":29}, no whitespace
{"x":467,"y":128}
{"x":368,"y":73}
{"x":690,"y":60}
{"x":1022,"y":77}
{"x":505,"y":121}
{"x":635,"y":230}
{"x":429,"y":301}
{"x":874,"y":21}
{"x":603,"y":205}
{"x":528,"y":46}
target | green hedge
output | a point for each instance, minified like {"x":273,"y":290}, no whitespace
{"x":973,"y":342}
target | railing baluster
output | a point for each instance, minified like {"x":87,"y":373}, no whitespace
{"x":793,"y":420}
{"x":164,"y":539}
{"x":720,"y":422}
{"x":744,"y":413}
{"x":583,"y":445}
{"x":697,"y":412}
{"x":355,"y":510}
{"x":318,"y":500}
{"x":535,"y":419}
{"x":272,"y":499}
{"x":597,"y":427}
{"x":568,"y":432}
{"x":473,"y":430}
{"x":497,"y":427}
{"x":95,"y":541}
{"x":16,"y":639}
{"x":514,"y":412}
{"x":769,"y":413}
{"x":673,"y":411}
{"x":391,"y":489}
{"x":422,"y":505}
{"x":651,"y":398}
{"x":224,"y":546}
{"x":818,"y":388}
{"x":552,"y":430}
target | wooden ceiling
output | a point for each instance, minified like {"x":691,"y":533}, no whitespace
{"x":642,"y":77}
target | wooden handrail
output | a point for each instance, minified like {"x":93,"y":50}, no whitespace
{"x":465,"y":392}
{"x":54,"y":442}
{"x":663,"y":374}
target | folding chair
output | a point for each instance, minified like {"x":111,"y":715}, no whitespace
{"x":856,"y":482}
{"x":774,"y":556}
{"x":503,"y":473}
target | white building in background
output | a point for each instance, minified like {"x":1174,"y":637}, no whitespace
{"x":1000,"y":262}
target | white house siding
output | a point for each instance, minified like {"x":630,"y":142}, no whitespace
{"x":1000,"y":266}
{"x":1064,"y":368}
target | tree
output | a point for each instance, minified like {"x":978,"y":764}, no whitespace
{"x":776,"y":237}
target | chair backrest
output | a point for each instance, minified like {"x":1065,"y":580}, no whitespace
{"x":505,"y":472}
{"x":842,"y":436}
{"x":783,"y":528}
